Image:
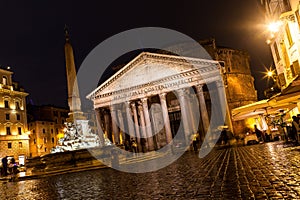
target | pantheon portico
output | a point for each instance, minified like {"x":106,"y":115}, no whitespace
{"x":149,"y":97}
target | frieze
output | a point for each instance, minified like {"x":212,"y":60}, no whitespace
{"x":152,"y":89}
{"x":193,"y":72}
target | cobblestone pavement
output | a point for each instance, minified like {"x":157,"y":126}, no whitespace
{"x":264,"y":171}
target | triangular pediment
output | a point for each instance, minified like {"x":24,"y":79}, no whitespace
{"x":149,"y":67}
{"x":153,"y":69}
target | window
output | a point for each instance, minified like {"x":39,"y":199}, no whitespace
{"x":45,"y":140}
{"x":17,"y":105}
{"x":7,"y":116}
{"x":18,"y":117}
{"x":4,"y":80}
{"x":9,"y":145}
{"x":62,"y":121}
{"x":276,"y":51}
{"x":295,"y":69}
{"x":20,"y":130}
{"x":298,"y":17}
{"x":56,"y":130}
{"x":8,"y":131}
{"x":52,"y":140}
{"x":288,"y":34}
{"x":33,"y":131}
{"x":45,"y":149}
{"x":6,"y":104}
{"x":44,"y":131}
{"x":20,"y":145}
{"x":34,"y":141}
{"x":51,"y":130}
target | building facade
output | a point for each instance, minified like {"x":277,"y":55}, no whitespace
{"x":14,"y":139}
{"x":283,"y":20}
{"x":282,"y":35}
{"x":238,"y":80}
{"x":46,"y":125}
{"x":152,"y":97}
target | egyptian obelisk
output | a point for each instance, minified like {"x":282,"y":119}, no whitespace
{"x":73,"y":91}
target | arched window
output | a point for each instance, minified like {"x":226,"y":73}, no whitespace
{"x":6,"y":104}
{"x":17,"y":105}
{"x":4,"y":80}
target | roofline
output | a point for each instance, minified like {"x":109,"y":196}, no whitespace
{"x":147,"y":55}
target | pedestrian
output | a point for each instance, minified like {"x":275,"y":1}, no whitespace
{"x":133,"y":145}
{"x":258,"y":133}
{"x":127,"y":145}
{"x":4,"y":165}
{"x":295,"y":129}
{"x":143,"y":143}
{"x":224,"y":136}
{"x":195,"y":141}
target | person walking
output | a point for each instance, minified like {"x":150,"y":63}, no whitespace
{"x":133,"y":146}
{"x":295,"y":129}
{"x":224,"y":136}
{"x":195,"y":142}
{"x":4,"y":165}
{"x":258,"y":133}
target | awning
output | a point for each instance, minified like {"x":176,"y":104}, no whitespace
{"x":286,"y":100}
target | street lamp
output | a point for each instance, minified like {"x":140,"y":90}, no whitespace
{"x":270,"y":74}
{"x":274,"y":27}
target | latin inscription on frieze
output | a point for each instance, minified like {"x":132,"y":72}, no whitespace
{"x":153,"y":89}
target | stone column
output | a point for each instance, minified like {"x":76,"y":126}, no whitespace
{"x":115,"y":127}
{"x":203,"y":108}
{"x":129,"y":120}
{"x":143,"y":125}
{"x":191,"y":113}
{"x":148,"y":123}
{"x":184,"y":114}
{"x":122,"y":127}
{"x":107,"y":125}
{"x":224,"y":105}
{"x":136,"y":123}
{"x":163,"y":103}
{"x":100,"y":131}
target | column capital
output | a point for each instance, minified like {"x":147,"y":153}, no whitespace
{"x":133,"y":104}
{"x":140,"y":107}
{"x":199,"y":87}
{"x":127,"y":103}
{"x":112,"y":107}
{"x":219,"y":83}
{"x":144,"y":99}
{"x":162,"y":96}
{"x":183,"y":92}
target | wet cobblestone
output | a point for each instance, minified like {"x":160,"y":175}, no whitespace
{"x":265,"y":171}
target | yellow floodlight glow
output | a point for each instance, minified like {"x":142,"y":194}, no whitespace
{"x":274,"y":26}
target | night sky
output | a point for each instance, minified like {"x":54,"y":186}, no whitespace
{"x":32,"y":34}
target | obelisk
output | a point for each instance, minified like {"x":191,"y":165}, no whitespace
{"x":74,"y":101}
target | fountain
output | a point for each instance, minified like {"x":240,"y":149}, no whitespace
{"x":78,"y":136}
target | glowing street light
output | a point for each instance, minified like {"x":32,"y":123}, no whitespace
{"x":270,"y":73}
{"x":274,"y":26}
